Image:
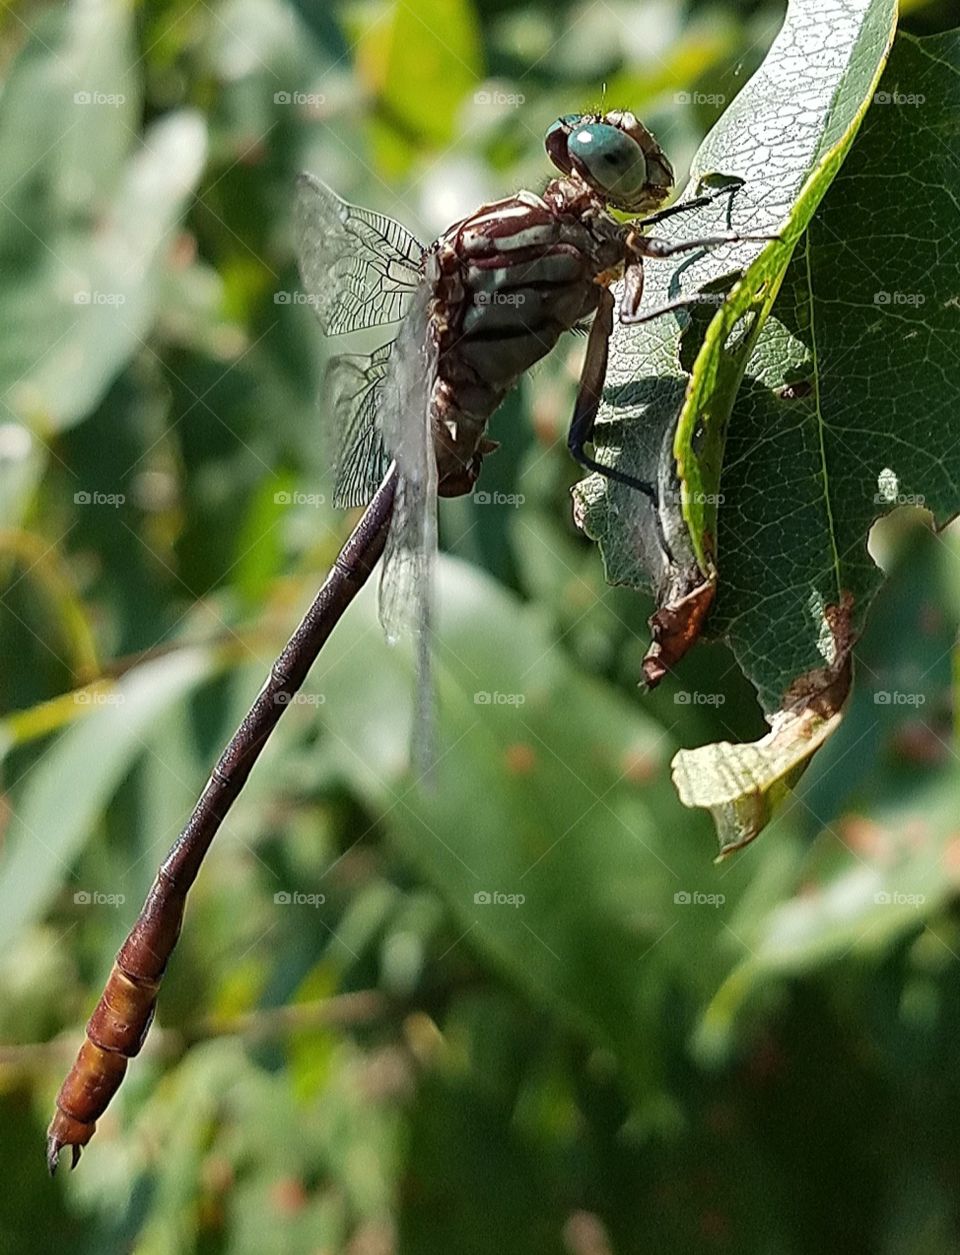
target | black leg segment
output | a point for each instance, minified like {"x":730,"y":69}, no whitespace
{"x":588,"y":400}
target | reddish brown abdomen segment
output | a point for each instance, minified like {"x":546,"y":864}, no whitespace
{"x":119,"y":1025}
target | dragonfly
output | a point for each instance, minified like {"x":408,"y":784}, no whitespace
{"x":475,"y":310}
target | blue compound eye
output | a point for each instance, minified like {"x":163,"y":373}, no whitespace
{"x":613,"y":161}
{"x":555,"y":142}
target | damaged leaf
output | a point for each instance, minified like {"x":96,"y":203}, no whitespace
{"x":850,"y":400}
{"x":848,"y":408}
{"x":742,"y":785}
{"x":785,"y":136}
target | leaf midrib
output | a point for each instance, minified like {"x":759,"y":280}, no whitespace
{"x":818,"y":411}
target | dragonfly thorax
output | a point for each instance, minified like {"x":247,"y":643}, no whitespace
{"x":506,"y":283}
{"x":509,"y":280}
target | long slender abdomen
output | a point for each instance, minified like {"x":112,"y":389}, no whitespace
{"x":119,"y":1024}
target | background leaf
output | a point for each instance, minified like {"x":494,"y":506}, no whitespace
{"x":89,"y":212}
{"x":68,"y":792}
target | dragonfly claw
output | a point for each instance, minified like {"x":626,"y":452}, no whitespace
{"x":64,"y":1131}
{"x":54,"y":1147}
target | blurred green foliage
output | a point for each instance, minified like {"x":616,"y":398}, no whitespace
{"x":649,"y":1052}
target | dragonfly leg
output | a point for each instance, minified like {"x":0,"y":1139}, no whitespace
{"x":588,"y":399}
{"x":644,"y":246}
{"x":683,"y":206}
{"x":588,"y":402}
{"x":681,"y":302}
{"x":640,"y":246}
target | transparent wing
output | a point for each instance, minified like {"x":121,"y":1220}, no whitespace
{"x":405,"y":422}
{"x":359,"y":268}
{"x":406,"y":580}
{"x":354,"y":388}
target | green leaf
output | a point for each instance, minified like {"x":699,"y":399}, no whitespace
{"x":667,"y":397}
{"x":742,"y":785}
{"x":878,"y":858}
{"x":421,"y":63}
{"x":850,"y":404}
{"x":21,"y":468}
{"x":553,"y":832}
{"x":88,"y":211}
{"x":68,"y":789}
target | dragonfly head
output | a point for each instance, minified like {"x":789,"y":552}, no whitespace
{"x":615,"y":155}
